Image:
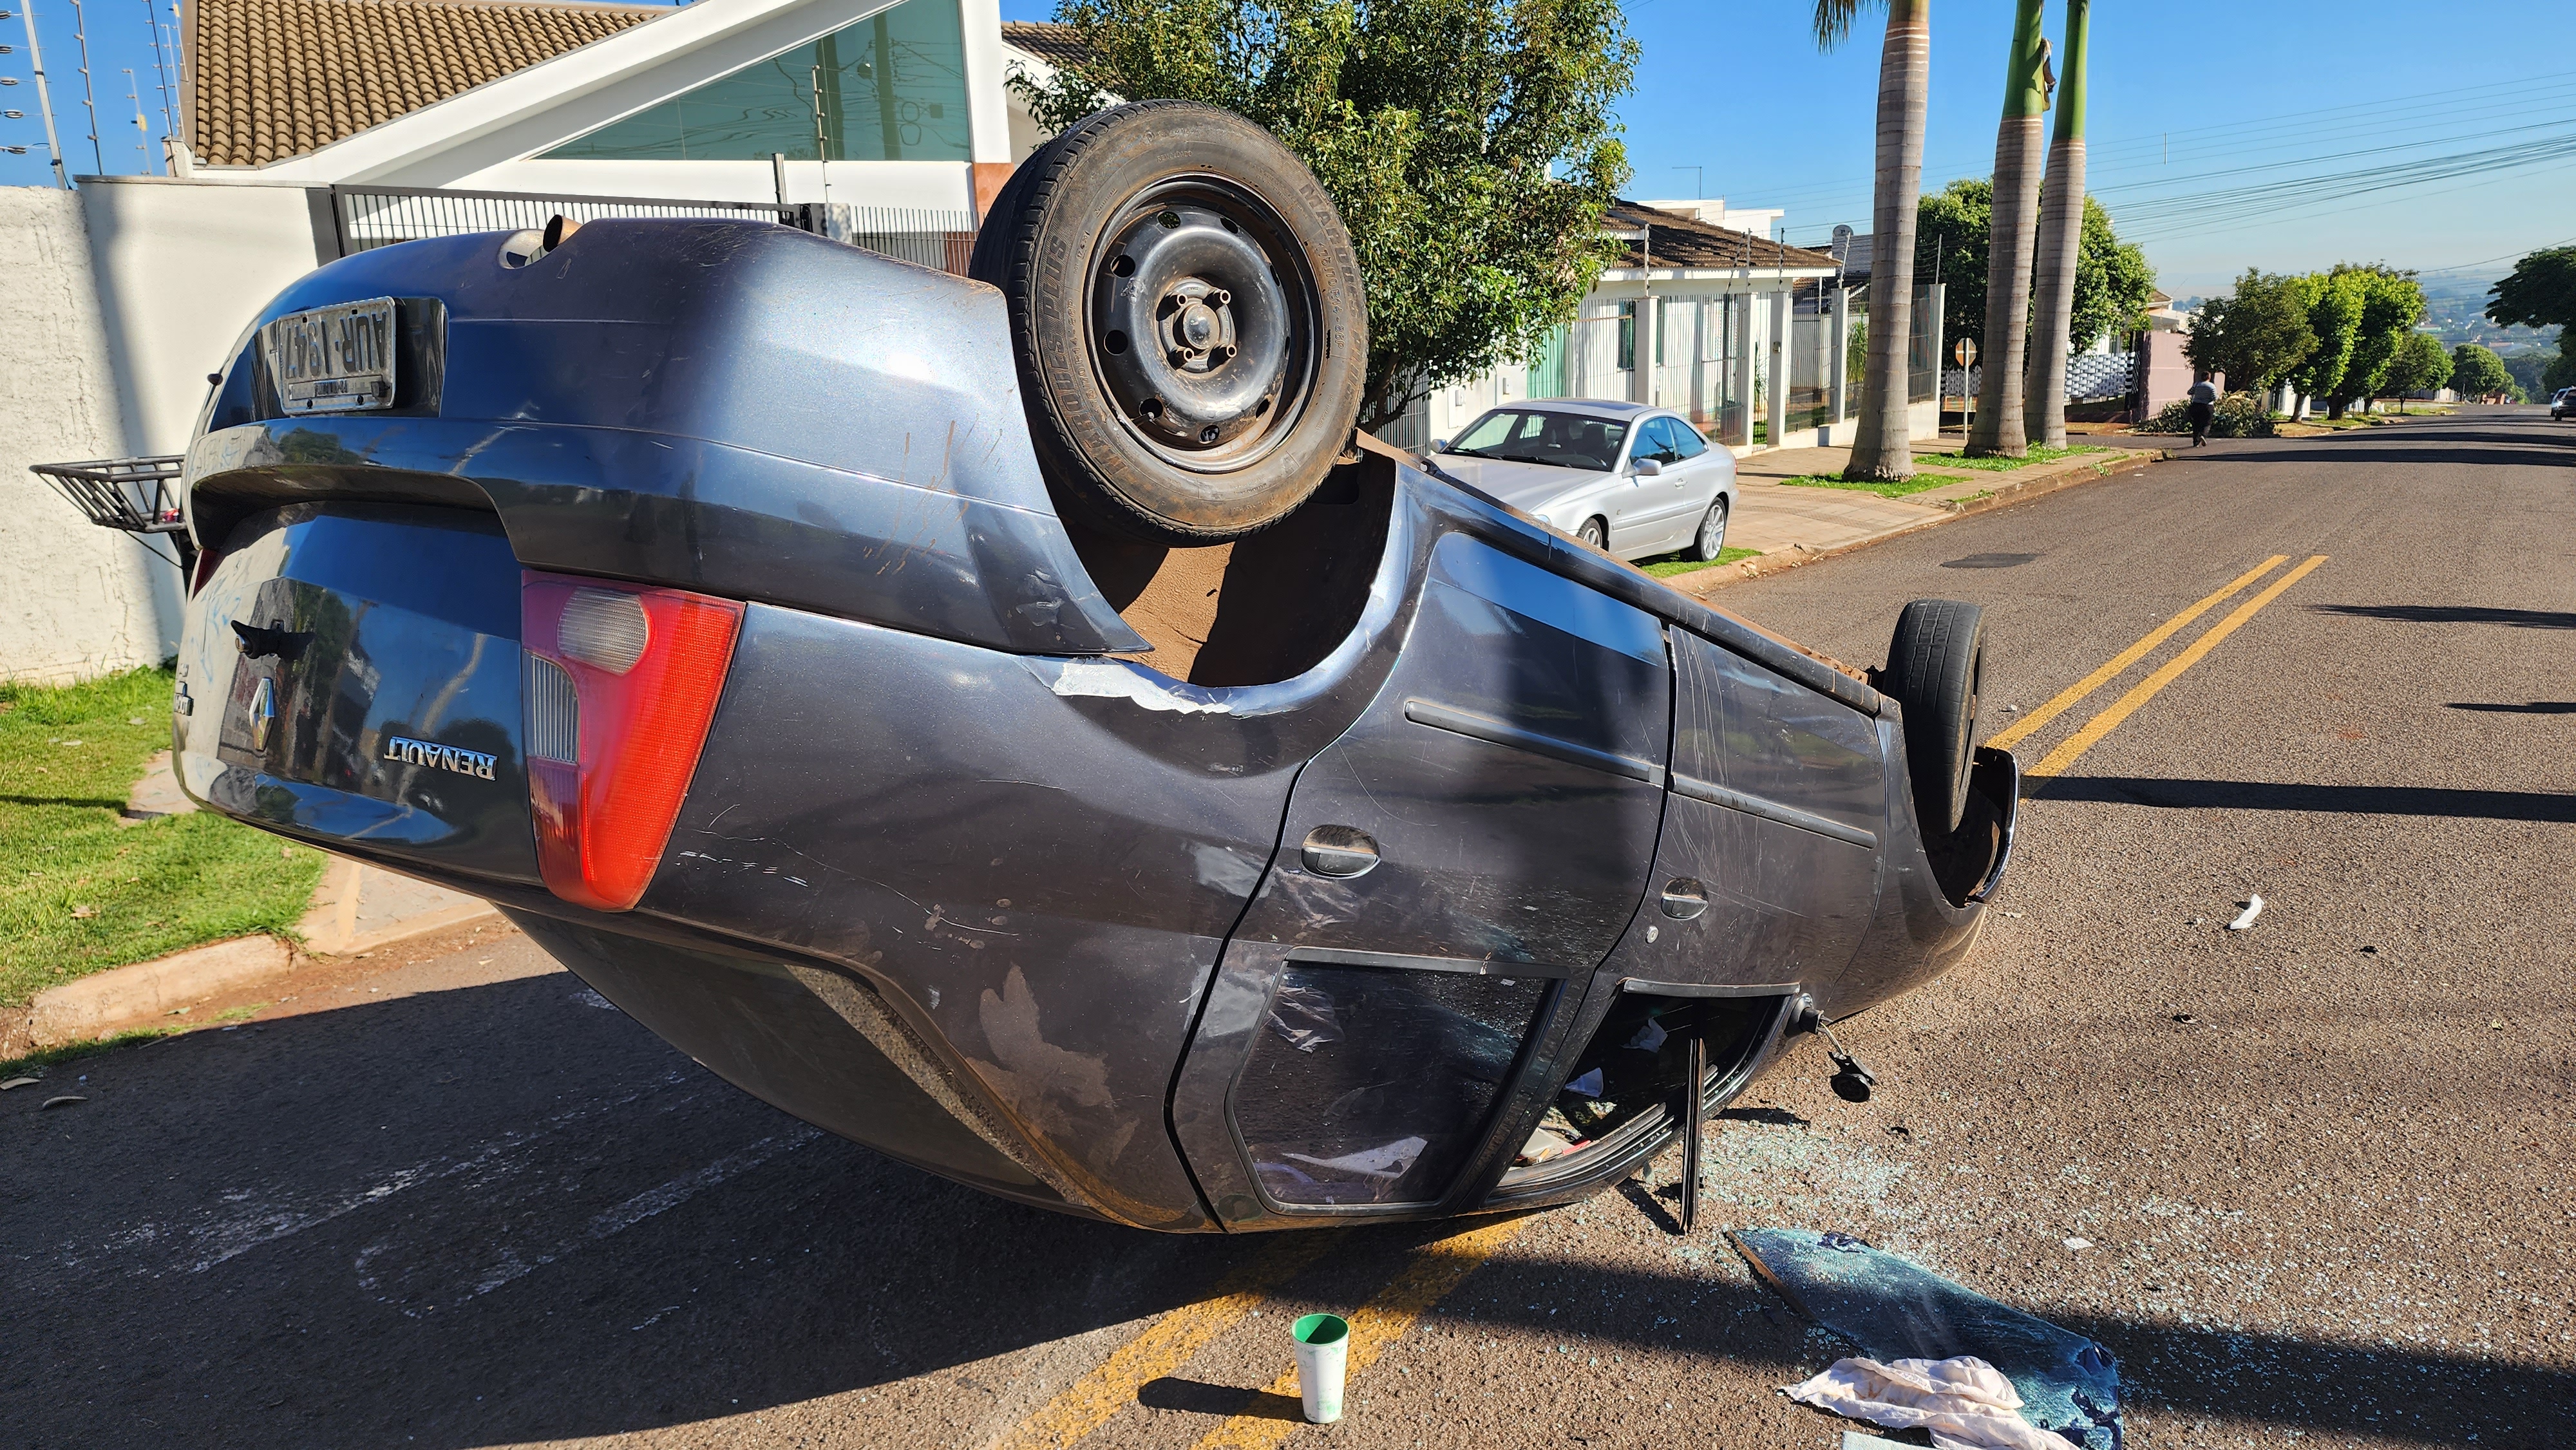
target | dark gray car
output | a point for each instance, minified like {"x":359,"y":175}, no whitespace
{"x":1060,"y":772}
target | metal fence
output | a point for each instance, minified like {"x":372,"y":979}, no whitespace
{"x":365,"y":217}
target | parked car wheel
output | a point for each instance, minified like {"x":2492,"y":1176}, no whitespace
{"x":1711,"y":539}
{"x":1935,"y":665}
{"x":1594,"y":533}
{"x":1188,"y":318}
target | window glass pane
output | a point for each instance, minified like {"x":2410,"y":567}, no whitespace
{"x":890,"y":88}
{"x":1654,"y":442}
{"x":1686,"y":438}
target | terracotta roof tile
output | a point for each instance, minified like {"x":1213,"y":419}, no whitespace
{"x":1680,"y":241}
{"x":1058,"y":45}
{"x":269,"y":79}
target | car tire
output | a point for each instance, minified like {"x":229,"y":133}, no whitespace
{"x":1935,"y":667}
{"x":1595,"y":534}
{"x":1710,"y":541}
{"x":1188,"y":321}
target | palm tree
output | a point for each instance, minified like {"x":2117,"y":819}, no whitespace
{"x":2016,"y":227}
{"x":1882,"y":448}
{"x":2061,"y":236}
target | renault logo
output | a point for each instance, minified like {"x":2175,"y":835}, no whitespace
{"x":263,"y":713}
{"x":438,"y":757}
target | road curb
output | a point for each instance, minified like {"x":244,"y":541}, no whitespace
{"x":1797,"y":556}
{"x":144,"y":992}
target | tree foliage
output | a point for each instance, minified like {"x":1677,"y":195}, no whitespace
{"x":2540,"y":291}
{"x":1470,"y":144}
{"x":2259,"y":336}
{"x":2422,"y":365}
{"x":2477,"y":372}
{"x":2391,"y":305}
{"x":2113,"y":281}
{"x":2334,"y":302}
{"x":2561,"y":372}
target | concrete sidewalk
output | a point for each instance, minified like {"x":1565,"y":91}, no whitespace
{"x":1793,"y":524}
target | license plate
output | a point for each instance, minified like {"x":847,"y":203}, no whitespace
{"x":335,"y":359}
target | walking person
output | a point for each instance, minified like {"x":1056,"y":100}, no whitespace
{"x":2204,"y":406}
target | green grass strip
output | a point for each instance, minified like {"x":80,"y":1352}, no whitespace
{"x":80,"y":893}
{"x":2037,"y":454}
{"x":1671,"y":564}
{"x":1916,"y":484}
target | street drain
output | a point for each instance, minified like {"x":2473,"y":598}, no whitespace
{"x":1989,"y":561}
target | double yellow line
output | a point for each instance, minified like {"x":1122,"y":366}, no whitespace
{"x":2057,"y":760}
{"x":1170,"y":1342}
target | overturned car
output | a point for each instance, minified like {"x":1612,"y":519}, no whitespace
{"x":1014,"y":723}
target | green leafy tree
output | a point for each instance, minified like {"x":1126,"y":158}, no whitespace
{"x":2561,"y":372}
{"x":2529,"y":369}
{"x":2334,"y":315}
{"x":1471,"y":146}
{"x":2257,"y":337}
{"x":2391,"y":305}
{"x":2112,"y":278}
{"x":2422,"y":365}
{"x":2476,"y":372}
{"x":1882,"y":447}
{"x":2540,"y":291}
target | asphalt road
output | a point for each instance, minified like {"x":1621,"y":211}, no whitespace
{"x":2323,"y":1165}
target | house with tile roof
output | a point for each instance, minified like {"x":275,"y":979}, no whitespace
{"x":1747,"y":337}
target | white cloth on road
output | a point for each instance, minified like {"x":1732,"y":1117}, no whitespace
{"x":1965,"y":1402}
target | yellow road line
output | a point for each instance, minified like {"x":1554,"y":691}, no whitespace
{"x":1164,"y":1346}
{"x":2139,"y":694}
{"x":1436,"y":1269}
{"x":2022,"y":728}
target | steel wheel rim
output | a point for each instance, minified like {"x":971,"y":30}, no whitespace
{"x":1202,"y":320}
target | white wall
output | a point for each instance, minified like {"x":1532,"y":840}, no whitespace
{"x":182,"y":269}
{"x":75,"y":599}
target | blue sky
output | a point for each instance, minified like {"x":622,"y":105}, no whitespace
{"x":2292,"y":99}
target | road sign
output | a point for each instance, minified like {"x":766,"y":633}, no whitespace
{"x":1966,"y":351}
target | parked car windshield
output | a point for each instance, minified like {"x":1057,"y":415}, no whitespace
{"x":1527,"y":435}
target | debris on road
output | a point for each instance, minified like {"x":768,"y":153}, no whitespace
{"x":2245,"y":918}
{"x":1894,"y":1309}
{"x":2079,"y":1245}
{"x":1964,"y":1401}
{"x":63,"y":1101}
{"x":1323,"y":1349}
{"x":19,"y":1082}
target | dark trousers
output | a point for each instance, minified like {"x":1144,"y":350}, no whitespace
{"x":2200,"y":414}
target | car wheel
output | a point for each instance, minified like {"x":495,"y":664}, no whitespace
{"x":1595,"y":533}
{"x":1935,"y":665}
{"x":1711,"y":540}
{"x":1188,"y":319}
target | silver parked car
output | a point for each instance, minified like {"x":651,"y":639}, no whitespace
{"x":1625,"y":478}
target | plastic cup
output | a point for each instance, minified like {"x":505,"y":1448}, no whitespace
{"x":1323,"y":1349}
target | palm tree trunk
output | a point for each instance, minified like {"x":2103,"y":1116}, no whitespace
{"x":1999,"y":430}
{"x":2061,"y":238}
{"x":1882,"y":437}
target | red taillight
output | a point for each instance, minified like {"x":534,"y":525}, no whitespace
{"x":207,"y":559}
{"x":621,"y":685}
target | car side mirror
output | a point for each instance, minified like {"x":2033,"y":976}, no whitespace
{"x":1439,"y":445}
{"x":1647,"y":467}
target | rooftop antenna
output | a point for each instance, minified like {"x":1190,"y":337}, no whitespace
{"x":89,"y":93}
{"x":44,"y":97}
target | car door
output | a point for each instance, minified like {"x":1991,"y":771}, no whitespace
{"x":1646,"y":504}
{"x":1695,"y":481}
{"x":1458,"y":860}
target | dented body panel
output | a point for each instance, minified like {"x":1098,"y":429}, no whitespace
{"x":953,"y":879}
